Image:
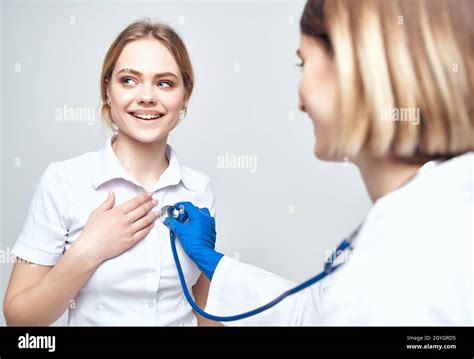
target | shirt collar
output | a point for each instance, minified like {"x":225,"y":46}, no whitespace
{"x":109,"y":167}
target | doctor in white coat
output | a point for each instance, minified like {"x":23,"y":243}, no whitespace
{"x":389,"y":85}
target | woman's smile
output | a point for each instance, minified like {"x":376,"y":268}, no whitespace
{"x":146,"y":116}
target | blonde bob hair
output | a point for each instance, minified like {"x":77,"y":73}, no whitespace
{"x":393,"y":55}
{"x":142,"y":29}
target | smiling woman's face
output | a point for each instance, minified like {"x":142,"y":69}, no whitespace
{"x":318,"y":92}
{"x":146,"y":82}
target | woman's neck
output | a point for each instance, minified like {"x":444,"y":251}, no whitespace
{"x":144,"y":162}
{"x":384,"y":175}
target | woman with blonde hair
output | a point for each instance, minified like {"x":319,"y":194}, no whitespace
{"x":388,"y":84}
{"x":110,"y":263}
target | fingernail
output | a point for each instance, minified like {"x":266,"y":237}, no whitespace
{"x":155,"y":202}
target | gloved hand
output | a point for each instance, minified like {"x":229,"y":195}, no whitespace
{"x":197,"y":237}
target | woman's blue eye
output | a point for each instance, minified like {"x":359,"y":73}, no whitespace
{"x":124,"y":80}
{"x":169,"y":84}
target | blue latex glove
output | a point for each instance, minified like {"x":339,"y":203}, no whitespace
{"x":197,"y":237}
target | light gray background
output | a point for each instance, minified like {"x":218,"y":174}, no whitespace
{"x":283,"y":218}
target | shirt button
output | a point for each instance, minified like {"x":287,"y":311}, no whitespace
{"x":151,"y":305}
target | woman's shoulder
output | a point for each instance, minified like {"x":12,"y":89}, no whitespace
{"x":69,"y":169}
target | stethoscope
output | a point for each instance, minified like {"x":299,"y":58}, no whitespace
{"x":331,"y":265}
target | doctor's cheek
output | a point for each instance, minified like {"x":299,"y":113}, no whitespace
{"x":317,"y":98}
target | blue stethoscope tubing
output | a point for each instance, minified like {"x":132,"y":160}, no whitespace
{"x":328,"y":269}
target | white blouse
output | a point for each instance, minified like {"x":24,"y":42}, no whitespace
{"x":138,"y":287}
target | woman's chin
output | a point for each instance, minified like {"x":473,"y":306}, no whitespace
{"x":148,"y":135}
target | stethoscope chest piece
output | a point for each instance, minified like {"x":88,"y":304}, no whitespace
{"x":178,"y":213}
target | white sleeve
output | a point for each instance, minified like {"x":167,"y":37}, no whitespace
{"x":238,"y":287}
{"x":42,"y":238}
